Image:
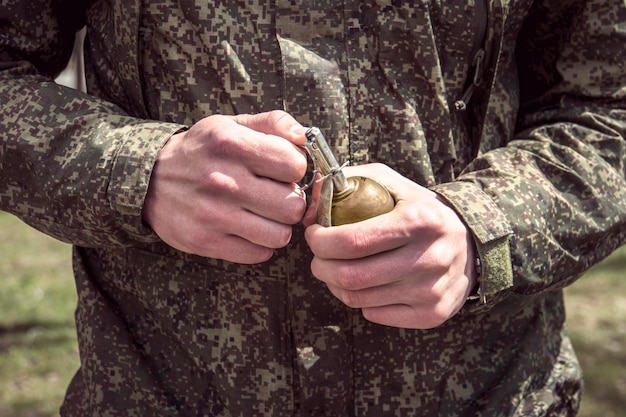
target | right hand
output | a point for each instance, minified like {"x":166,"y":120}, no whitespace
{"x":226,"y":188}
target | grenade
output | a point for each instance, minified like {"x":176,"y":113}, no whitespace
{"x":343,"y":200}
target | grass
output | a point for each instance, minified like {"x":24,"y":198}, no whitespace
{"x":38,"y":353}
{"x":596,"y":309}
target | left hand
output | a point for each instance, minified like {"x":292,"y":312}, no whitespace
{"x":412,"y":267}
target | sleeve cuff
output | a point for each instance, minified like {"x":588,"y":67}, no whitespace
{"x":492,"y":233}
{"x":131,"y":171}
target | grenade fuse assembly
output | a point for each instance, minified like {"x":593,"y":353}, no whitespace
{"x":343,"y":199}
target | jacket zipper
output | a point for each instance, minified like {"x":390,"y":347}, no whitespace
{"x":480,"y":29}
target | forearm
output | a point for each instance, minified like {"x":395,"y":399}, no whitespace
{"x":75,"y":167}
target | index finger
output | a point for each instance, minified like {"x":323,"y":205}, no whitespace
{"x":275,"y":158}
{"x":277,"y":123}
{"x":357,"y":240}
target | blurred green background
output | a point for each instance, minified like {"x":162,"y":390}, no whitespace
{"x":38,"y":353}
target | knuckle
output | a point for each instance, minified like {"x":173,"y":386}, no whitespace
{"x":441,"y":313}
{"x":203,"y":243}
{"x":351,"y":279}
{"x":295,"y":210}
{"x":224,"y":144}
{"x":280,"y":237}
{"x":435,"y":219}
{"x":275,"y":116}
{"x":294,"y":165}
{"x":440,"y":258}
{"x":361,"y":241}
{"x":351,"y":299}
{"x":431,"y":293}
{"x":436,"y":315}
{"x":368,"y":314}
{"x":436,"y":294}
{"x":284,"y":236}
{"x":219,"y":183}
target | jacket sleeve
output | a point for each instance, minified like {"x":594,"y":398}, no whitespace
{"x":72,"y":166}
{"x":552,"y":202}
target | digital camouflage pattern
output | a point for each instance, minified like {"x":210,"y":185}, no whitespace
{"x":535,"y":165}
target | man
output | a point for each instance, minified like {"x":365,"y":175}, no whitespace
{"x":498,"y":127}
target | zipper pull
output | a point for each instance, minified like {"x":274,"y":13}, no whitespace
{"x":477,"y":79}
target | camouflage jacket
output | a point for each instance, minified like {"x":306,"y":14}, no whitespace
{"x":511,"y":110}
